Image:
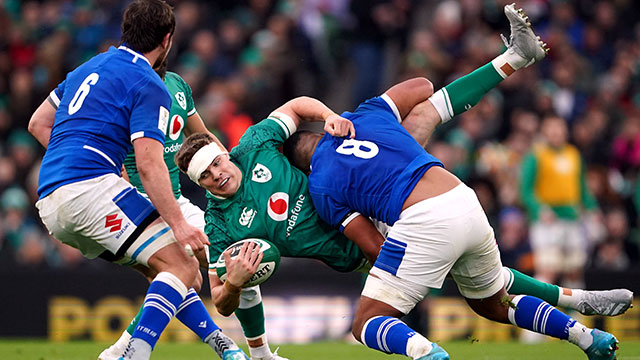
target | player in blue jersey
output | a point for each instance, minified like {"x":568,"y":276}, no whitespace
{"x":103,"y":107}
{"x":437,"y":224}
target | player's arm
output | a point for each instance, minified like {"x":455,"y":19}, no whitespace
{"x":419,"y":116}
{"x":363,"y":233}
{"x":195,"y":125}
{"x":226,"y":296}
{"x":41,"y":122}
{"x":155,"y":180}
{"x":407,"y":94}
{"x":305,"y":109}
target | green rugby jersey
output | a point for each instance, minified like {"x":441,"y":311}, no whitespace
{"x":181,"y":108}
{"x":273,"y":203}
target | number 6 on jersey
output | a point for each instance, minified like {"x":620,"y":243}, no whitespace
{"x":83,"y":91}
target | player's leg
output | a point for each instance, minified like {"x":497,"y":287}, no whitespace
{"x":478,"y":274}
{"x":587,"y":302}
{"x":156,"y":248}
{"x":459,"y":96}
{"x":385,"y":298}
{"x":134,"y":230}
{"x":250,"y":313}
{"x":191,"y":312}
{"x":534,"y":314}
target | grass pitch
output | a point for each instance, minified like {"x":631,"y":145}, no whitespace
{"x":83,"y":350}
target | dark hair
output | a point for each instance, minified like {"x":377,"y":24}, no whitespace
{"x":189,"y":148}
{"x":295,"y":150}
{"x":145,"y":23}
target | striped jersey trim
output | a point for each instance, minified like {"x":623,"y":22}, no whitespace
{"x":54,"y":99}
{"x":193,"y":111}
{"x":448,"y":102}
{"x":136,"y":55}
{"x":100,"y":153}
{"x":137,"y":135}
{"x":348,"y":219}
{"x":285,"y":121}
{"x":392,"y":105}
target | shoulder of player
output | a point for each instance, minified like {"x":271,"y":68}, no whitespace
{"x":175,"y":78}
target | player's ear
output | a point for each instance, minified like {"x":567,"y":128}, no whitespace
{"x":167,"y":40}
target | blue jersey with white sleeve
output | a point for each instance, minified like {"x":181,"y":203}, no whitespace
{"x":372,"y":174}
{"x":102,"y":106}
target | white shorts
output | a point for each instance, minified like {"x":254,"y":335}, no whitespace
{"x":103,"y":213}
{"x":445,"y":234}
{"x":560,"y":246}
{"x":193,"y":214}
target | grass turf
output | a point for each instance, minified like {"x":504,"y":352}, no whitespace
{"x":43,"y":350}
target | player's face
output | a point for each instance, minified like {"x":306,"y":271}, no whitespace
{"x":222,"y":177}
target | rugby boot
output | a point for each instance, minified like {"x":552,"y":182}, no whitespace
{"x":523,"y":40}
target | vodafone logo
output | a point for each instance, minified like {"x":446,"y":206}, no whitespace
{"x":175,"y":127}
{"x":278,"y":206}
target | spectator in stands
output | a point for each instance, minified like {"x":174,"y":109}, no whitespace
{"x":554,"y":192}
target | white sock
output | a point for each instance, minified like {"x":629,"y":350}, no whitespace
{"x":569,"y":298}
{"x":580,"y":335}
{"x":261,"y":351}
{"x":418,"y":346}
{"x":507,"y":62}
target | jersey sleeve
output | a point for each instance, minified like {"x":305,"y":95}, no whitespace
{"x":269,"y":133}
{"x":191,"y":106}
{"x":215,"y":230}
{"x":56,"y":95}
{"x":331,"y":211}
{"x":378,"y":105}
{"x":150,"y":112}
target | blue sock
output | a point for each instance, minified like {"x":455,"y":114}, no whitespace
{"x":536,"y":315}
{"x":387,"y":334}
{"x":165,"y":294}
{"x":195,"y":316}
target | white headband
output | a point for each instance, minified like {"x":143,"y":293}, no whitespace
{"x":202,"y":159}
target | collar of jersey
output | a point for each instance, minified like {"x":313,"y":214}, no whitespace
{"x":134,"y":53}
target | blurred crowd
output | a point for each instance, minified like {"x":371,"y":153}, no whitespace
{"x":243,"y":58}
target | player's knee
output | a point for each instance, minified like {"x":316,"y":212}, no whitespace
{"x":250,"y":297}
{"x":356,"y":328}
{"x":427,"y":86}
{"x":197,"y":284}
{"x":493,"y":308}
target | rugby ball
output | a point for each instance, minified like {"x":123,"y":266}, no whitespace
{"x":268,"y":265}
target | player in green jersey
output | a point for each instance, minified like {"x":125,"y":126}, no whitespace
{"x":235,"y":182}
{"x":183,"y":119}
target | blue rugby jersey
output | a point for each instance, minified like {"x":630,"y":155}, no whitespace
{"x":372,"y":174}
{"x":102,"y":106}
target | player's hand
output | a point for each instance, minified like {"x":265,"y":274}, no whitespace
{"x":190,"y":236}
{"x":242,"y":267}
{"x":338,"y":126}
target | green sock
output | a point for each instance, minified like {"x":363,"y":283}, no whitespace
{"x":521,"y":284}
{"x":252,"y":320}
{"x":465,"y":92}
{"x":134,"y":322}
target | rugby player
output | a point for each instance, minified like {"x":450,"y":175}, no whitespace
{"x":253,"y":192}
{"x":437,"y":223}
{"x":103,"y":106}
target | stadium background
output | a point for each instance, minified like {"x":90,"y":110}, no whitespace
{"x":244,"y":58}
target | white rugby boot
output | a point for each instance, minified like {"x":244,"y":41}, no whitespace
{"x":274,"y":356}
{"x":114,"y":351}
{"x":523,"y":41}
{"x":606,"y":302}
